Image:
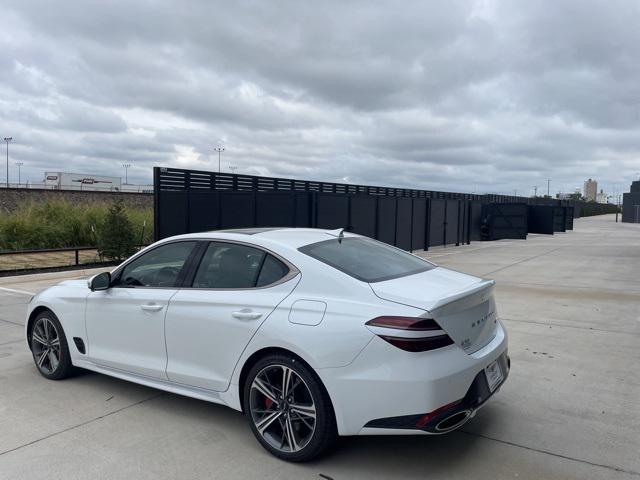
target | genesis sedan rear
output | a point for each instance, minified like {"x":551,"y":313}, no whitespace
{"x":311,"y":333}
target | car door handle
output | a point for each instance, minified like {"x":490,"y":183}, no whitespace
{"x":151,"y":307}
{"x":246,"y":314}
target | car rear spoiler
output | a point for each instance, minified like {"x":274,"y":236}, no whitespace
{"x":484,"y":287}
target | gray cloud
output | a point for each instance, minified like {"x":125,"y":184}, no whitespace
{"x":463,"y":95}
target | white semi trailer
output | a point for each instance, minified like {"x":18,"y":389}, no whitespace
{"x":81,"y":181}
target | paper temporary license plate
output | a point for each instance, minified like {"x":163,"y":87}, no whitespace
{"x":493,"y":372}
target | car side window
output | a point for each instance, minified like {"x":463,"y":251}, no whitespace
{"x":272,"y":271}
{"x":159,"y":267}
{"x":229,"y":265}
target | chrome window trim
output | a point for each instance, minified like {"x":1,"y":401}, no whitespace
{"x":293,"y":270}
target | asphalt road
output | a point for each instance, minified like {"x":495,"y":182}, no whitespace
{"x":570,"y":409}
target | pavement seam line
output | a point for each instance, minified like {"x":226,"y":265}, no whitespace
{"x":13,"y":290}
{"x":459,"y":252}
{"x":522,"y":261}
{"x":547,"y":452}
{"x":73,"y":427}
{"x":560,"y":325}
{"x":564,"y":286}
{"x":10,"y":322}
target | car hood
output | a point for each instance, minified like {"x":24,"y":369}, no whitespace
{"x":76,"y":282}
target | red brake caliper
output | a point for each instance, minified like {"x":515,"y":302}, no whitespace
{"x":267,"y":402}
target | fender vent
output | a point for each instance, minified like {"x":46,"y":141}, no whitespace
{"x":79,"y":344}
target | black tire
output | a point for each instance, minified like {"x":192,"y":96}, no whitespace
{"x":316,"y":442}
{"x":42,"y":339}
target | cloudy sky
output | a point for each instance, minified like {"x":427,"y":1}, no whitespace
{"x":480,"y":96}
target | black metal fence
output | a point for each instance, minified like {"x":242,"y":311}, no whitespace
{"x":193,"y":201}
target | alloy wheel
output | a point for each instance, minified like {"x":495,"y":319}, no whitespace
{"x":45,"y":342}
{"x":282,"y":408}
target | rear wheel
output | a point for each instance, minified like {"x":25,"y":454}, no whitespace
{"x":289,"y":410}
{"x":49,"y":347}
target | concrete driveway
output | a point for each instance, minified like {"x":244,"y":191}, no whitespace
{"x":570,"y":409}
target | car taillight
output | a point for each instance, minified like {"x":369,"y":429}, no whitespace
{"x":405,"y":323}
{"x":401,"y":333}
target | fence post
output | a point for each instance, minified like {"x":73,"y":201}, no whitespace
{"x":411,"y":229}
{"x":377,"y":217}
{"x":444,"y":225}
{"x":313,"y":205}
{"x":395,"y":222}
{"x":469,"y":210}
{"x":77,"y":257}
{"x":187,"y":192}
{"x":156,"y":204}
{"x":427,"y":226}
{"x":458,"y":222}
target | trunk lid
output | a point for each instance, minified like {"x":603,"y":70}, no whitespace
{"x":461,"y":304}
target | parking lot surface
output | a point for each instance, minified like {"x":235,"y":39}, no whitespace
{"x":570,"y":409}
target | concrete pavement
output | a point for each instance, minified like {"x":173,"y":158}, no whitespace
{"x":570,"y":410}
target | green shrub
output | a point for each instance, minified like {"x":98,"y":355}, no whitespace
{"x":115,"y":235}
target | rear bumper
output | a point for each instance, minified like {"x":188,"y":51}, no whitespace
{"x":387,"y":391}
{"x":452,"y":416}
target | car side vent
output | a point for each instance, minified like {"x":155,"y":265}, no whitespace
{"x":79,"y":344}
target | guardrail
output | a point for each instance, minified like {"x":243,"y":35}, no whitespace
{"x":45,"y":259}
{"x":124,"y":188}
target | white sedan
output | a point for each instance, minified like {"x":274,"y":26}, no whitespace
{"x":311,"y":333}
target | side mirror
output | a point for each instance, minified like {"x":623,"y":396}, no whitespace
{"x":101,"y":281}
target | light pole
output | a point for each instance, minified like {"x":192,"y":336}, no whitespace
{"x":219,"y":149}
{"x":548,"y":184}
{"x":8,"y":139}
{"x":126,"y":172}
{"x":19,"y":164}
{"x":535,"y":191}
{"x":233,"y":168}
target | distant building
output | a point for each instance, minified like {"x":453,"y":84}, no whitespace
{"x":590,"y":190}
{"x":602,"y":197}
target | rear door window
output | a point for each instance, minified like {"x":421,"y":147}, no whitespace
{"x":231,"y":265}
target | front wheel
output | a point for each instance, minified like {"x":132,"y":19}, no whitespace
{"x":49,"y":347}
{"x":289,"y":410}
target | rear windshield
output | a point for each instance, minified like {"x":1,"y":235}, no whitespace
{"x":366,"y":259}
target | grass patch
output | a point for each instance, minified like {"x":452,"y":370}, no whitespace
{"x":60,"y":224}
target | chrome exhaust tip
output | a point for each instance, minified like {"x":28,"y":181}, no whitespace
{"x":454,"y":421}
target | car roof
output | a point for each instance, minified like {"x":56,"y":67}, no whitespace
{"x":248,"y":231}
{"x":287,"y":237}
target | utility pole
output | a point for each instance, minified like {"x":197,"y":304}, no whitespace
{"x":548,"y":184}
{"x":126,"y":172}
{"x":8,"y":139}
{"x":19,"y":164}
{"x":219,"y":149}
